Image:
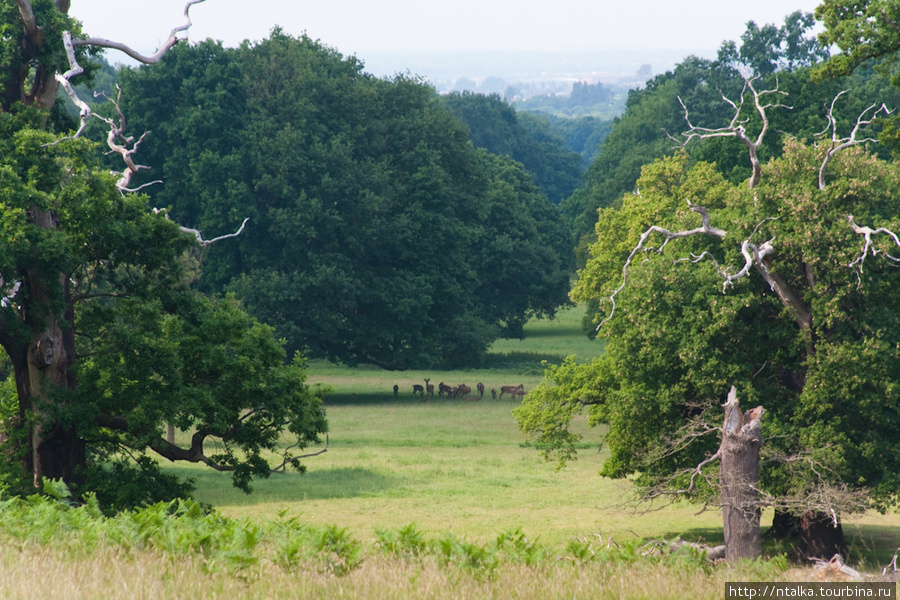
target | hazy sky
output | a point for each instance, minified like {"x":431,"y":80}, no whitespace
{"x":361,"y":26}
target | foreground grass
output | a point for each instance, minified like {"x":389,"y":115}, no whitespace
{"x":117,"y":575}
{"x":49,"y":549}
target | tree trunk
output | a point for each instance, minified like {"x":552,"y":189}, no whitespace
{"x":821,"y":536}
{"x":42,"y":366}
{"x":739,"y":480}
{"x":784,"y":526}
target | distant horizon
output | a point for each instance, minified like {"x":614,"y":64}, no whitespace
{"x":361,"y":27}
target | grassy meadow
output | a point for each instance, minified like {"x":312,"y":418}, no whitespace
{"x":498,"y":521}
{"x":463,"y":466}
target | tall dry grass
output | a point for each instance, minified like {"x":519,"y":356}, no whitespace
{"x":33,"y":572}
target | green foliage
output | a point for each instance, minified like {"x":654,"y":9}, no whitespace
{"x":408,"y":541}
{"x":498,"y":128}
{"x":769,"y":48}
{"x":583,"y":135}
{"x":863,"y":31}
{"x":641,"y":134}
{"x":144,"y":348}
{"x":370,"y":212}
{"x":119,"y":485}
{"x":676,"y":343}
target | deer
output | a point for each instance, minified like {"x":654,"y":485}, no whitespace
{"x":512,"y":390}
{"x":480,"y":387}
{"x":418,"y":389}
{"x":429,"y":388}
{"x":443,"y":388}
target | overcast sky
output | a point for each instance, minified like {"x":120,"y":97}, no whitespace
{"x":361,"y":26}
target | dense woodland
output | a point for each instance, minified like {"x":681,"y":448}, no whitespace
{"x":373,"y":221}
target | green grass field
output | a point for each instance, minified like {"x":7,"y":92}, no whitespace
{"x":456,"y":469}
{"x":462,"y":465}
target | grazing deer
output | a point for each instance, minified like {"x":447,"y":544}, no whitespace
{"x":480,"y":387}
{"x":493,"y":393}
{"x":418,"y":389}
{"x":512,"y":390}
{"x":463,"y":390}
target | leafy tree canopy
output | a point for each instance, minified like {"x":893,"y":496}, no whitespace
{"x":104,"y":341}
{"x":496,"y":126}
{"x":371,"y":215}
{"x":676,"y":342}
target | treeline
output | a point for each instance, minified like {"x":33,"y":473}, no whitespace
{"x":377,"y":232}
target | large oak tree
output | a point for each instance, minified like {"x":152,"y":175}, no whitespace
{"x":106,"y":339}
{"x":378,"y":233}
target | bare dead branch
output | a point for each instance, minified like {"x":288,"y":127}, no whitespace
{"x":736,"y":127}
{"x":705,"y":228}
{"x":203,"y":242}
{"x":838,"y":144}
{"x":148,"y":60}
{"x":868,"y":247}
{"x":65,"y":80}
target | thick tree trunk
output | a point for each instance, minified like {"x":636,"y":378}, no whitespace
{"x":54,"y":450}
{"x":821,"y":536}
{"x":815,"y":534}
{"x":739,"y":480}
{"x":784,"y":526}
{"x":43,"y":369}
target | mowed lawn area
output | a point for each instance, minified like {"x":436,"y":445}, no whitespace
{"x":463,"y":466}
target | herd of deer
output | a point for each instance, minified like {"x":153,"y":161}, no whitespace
{"x":462,"y":390}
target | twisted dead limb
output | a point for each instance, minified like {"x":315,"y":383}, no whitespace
{"x":147,"y":60}
{"x":705,"y":228}
{"x":838,"y":144}
{"x":736,"y":127}
{"x":868,"y":247}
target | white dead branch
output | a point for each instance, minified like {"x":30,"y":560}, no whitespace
{"x":705,"y":228}
{"x":736,"y":127}
{"x":838,"y":144}
{"x":116,"y":139}
{"x":196,"y":233}
{"x":869,"y":247}
{"x":147,"y":60}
